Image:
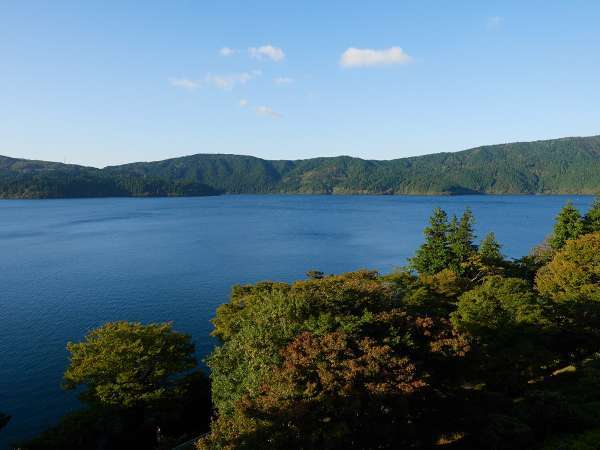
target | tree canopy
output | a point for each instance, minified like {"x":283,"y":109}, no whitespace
{"x":490,"y":249}
{"x":139,"y":390}
{"x":569,"y":225}
{"x":591,"y":221}
{"x":435,"y":253}
{"x":441,"y":357}
{"x":574,"y":272}
{"x":123,"y":363}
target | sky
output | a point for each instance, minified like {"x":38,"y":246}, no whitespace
{"x":108,"y":82}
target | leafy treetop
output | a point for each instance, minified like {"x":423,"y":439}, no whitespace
{"x":569,"y":225}
{"x":125,"y":363}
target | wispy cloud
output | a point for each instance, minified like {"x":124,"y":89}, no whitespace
{"x":283,"y":80}
{"x":367,"y":57}
{"x":185,"y":83}
{"x":225,"y":82}
{"x":243,"y":103}
{"x":226,"y":51}
{"x":494,"y":23}
{"x":229,"y":81}
{"x":267,"y":112}
{"x":266,"y":52}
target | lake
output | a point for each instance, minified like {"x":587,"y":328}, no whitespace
{"x":67,"y":266}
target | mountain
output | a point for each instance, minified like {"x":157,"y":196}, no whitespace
{"x":558,"y":166}
{"x":21,"y":178}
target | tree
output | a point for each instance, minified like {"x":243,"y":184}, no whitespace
{"x":315,"y":274}
{"x":489,"y":250}
{"x":328,"y":362}
{"x":330,"y":392}
{"x":569,"y":225}
{"x":435,"y":253}
{"x":591,"y":221}
{"x":461,"y":237}
{"x":505,"y":322}
{"x":496,"y":307}
{"x":573,"y":275}
{"x":126,"y":363}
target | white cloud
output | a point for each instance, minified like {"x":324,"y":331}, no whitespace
{"x":494,"y":23}
{"x":225,"y":82}
{"x":185,"y":83}
{"x":283,"y":80}
{"x":266,"y":51}
{"x":366,"y":57}
{"x":243,"y":103}
{"x":267,"y":112}
{"x":226,"y":51}
{"x":228,"y":82}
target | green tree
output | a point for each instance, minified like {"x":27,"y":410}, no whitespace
{"x":573,"y":275}
{"x":316,"y":274}
{"x":505,"y":322}
{"x":331,"y":391}
{"x":569,"y":225}
{"x":324,"y":362}
{"x":497,"y":307}
{"x":126,"y":363}
{"x":591,"y":221}
{"x":435,"y":254}
{"x":490,"y":250}
{"x":460,"y":238}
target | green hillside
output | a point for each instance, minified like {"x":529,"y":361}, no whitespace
{"x":39,"y":179}
{"x":559,"y":166}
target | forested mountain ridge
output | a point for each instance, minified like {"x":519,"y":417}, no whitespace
{"x":21,"y":178}
{"x":558,"y":166}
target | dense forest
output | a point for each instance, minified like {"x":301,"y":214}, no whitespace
{"x":559,"y":166}
{"x":39,"y":179}
{"x":461,"y":349}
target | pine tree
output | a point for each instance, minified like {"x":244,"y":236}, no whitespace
{"x":435,"y":254}
{"x":569,"y":225}
{"x":489,"y":249}
{"x":591,"y":221}
{"x":461,"y":237}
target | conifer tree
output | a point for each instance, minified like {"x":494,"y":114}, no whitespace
{"x":489,"y":249}
{"x":452,"y":226}
{"x":435,"y":254}
{"x":569,"y":225}
{"x":461,"y":237}
{"x":591,"y":221}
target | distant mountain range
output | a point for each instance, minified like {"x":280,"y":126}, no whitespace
{"x":557,"y":166}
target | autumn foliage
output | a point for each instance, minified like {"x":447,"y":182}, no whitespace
{"x":465,"y":353}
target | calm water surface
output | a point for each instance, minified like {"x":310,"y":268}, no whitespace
{"x":67,"y":266}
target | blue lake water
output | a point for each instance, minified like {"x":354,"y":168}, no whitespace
{"x":67,"y":266}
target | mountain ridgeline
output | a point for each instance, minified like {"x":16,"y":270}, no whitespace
{"x":558,"y":166}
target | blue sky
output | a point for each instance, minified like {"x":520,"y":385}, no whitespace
{"x":110,"y":82}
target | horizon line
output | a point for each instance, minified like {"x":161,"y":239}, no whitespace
{"x":301,"y":159}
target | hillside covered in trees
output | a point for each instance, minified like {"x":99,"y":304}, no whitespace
{"x":21,"y":178}
{"x":462,"y":349}
{"x":559,"y":166}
